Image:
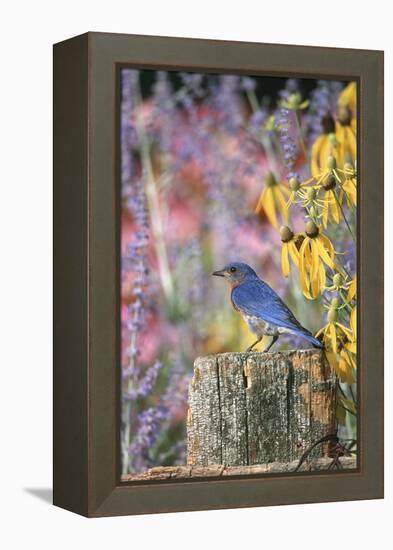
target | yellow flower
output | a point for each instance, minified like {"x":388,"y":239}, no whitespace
{"x":348,"y":97}
{"x":328,"y":180}
{"x":272,"y":199}
{"x":315,"y":253}
{"x":346,"y":124}
{"x":289,"y":249}
{"x":323,"y":147}
{"x":311,"y":199}
{"x":343,"y":365}
{"x":352,"y":290}
{"x":347,"y":362}
{"x":349,"y":187}
{"x":334,"y":332}
{"x":340,"y":344}
{"x":331,"y":207}
{"x":346,"y":136}
{"x":330,"y":171}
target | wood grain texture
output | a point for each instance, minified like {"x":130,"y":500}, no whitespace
{"x":218,"y":470}
{"x":257,"y":408}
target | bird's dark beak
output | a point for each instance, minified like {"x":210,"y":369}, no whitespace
{"x":220,"y":273}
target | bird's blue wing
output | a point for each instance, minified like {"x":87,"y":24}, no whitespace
{"x":258,"y":299}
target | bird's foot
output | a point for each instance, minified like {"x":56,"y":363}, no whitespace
{"x":250,"y":348}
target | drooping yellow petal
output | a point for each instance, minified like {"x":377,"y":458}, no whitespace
{"x":322,"y":277}
{"x":352,"y":321}
{"x":348,"y":97}
{"x":315,"y":286}
{"x":346,"y":150}
{"x":335,"y":210}
{"x":332,"y":358}
{"x":315,"y":260}
{"x":323,"y":253}
{"x":328,"y":245}
{"x":315,"y":151}
{"x":281,"y":201}
{"x":270,"y":207}
{"x":333,"y":336}
{"x":285,"y":260}
{"x":320,"y":151}
{"x":261,"y":199}
{"x":345,"y":371}
{"x":349,"y":188}
{"x":303,"y":268}
{"x":293,"y":252}
{"x":351,"y":141}
{"x":320,"y":331}
{"x":351,"y":346}
{"x":352,"y":290}
{"x":345,"y":330}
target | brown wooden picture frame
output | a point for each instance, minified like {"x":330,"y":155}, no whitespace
{"x":86,"y":274}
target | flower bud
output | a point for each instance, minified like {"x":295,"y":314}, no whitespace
{"x":329,"y":183}
{"x":286,"y":234}
{"x":311,"y":229}
{"x":313,"y":212}
{"x":294,"y":101}
{"x":270,"y":180}
{"x":331,"y":163}
{"x":337,"y":280}
{"x":294,"y":184}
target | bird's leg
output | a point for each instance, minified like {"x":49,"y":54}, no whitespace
{"x":254,"y":344}
{"x":274,"y":340}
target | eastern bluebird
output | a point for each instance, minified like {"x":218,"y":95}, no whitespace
{"x":262,"y":309}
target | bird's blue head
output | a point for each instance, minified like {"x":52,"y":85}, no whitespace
{"x":236,"y":273}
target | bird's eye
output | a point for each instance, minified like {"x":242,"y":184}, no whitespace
{"x":233,"y":269}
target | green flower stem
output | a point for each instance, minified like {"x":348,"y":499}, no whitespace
{"x":348,"y":411}
{"x":253,"y":100}
{"x":346,"y":304}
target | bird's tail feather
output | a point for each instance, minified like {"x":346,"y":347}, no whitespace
{"x":310,"y":338}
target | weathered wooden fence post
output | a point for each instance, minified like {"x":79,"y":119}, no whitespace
{"x":256,"y":408}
